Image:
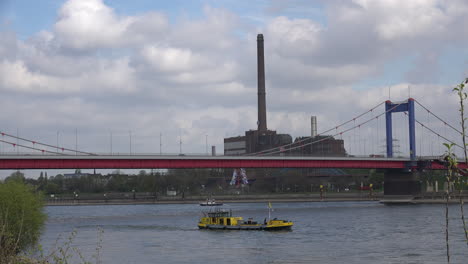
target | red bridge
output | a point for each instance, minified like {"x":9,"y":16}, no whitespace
{"x":16,"y":162}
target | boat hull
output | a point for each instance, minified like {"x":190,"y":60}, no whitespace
{"x":246,"y":227}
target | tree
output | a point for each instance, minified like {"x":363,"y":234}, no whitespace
{"x":15,"y":176}
{"x":376,"y":179}
{"x":51,"y":188}
{"x":21,"y":218}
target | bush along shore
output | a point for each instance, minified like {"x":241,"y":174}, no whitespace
{"x":21,"y":223}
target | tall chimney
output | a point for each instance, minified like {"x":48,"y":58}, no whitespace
{"x":313,"y":126}
{"x":262,"y":123}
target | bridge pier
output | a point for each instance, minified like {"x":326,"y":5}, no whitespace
{"x":399,"y":182}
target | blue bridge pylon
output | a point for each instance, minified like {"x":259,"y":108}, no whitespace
{"x":405,"y":106}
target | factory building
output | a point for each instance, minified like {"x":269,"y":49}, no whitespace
{"x":257,"y":141}
{"x":235,"y":146}
{"x":263,"y":139}
{"x":318,"y":146}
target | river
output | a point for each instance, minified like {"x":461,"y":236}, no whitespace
{"x":323,"y":232}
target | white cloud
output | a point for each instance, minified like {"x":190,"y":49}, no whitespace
{"x":213,"y":33}
{"x":115,"y":76}
{"x":293,"y":36}
{"x":100,"y":71}
{"x":90,"y":24}
{"x":170,"y":59}
{"x":17,"y":77}
{"x":408,"y":19}
{"x":394,"y":20}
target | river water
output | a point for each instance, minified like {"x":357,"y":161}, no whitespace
{"x":323,"y":232}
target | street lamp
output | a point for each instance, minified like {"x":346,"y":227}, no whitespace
{"x":76,"y":141}
{"x":130,"y":135}
{"x":57,"y":141}
{"x":180,"y":144}
{"x":111,"y":142}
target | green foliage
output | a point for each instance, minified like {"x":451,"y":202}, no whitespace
{"x":376,"y":179}
{"x":52,"y":188}
{"x":21,"y":218}
{"x":453,"y":172}
{"x":15,"y":176}
{"x":450,"y":157}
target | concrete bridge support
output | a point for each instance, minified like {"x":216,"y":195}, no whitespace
{"x":401,"y":182}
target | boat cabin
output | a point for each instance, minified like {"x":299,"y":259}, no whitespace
{"x":221,"y":218}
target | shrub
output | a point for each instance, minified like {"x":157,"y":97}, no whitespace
{"x":21,"y":219}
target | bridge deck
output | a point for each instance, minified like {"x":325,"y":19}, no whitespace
{"x":164,"y":162}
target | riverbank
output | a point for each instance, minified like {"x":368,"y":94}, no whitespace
{"x":259,"y":198}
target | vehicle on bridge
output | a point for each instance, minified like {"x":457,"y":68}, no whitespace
{"x":223,"y":220}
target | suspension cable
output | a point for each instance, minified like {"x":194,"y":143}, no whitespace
{"x":440,"y":119}
{"x":269,"y":151}
{"x":331,"y":136}
{"x":435,"y":133}
{"x":42,"y":144}
{"x":32,"y":148}
{"x":326,"y":131}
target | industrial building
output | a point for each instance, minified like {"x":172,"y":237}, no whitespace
{"x":262,"y":139}
{"x":318,"y":146}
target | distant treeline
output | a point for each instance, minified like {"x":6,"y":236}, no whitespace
{"x":206,"y":181}
{"x":156,"y":182}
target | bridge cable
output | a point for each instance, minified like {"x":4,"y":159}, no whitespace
{"x":326,"y":131}
{"x":434,"y":132}
{"x":326,"y":138}
{"x":440,"y":119}
{"x":23,"y":146}
{"x":332,"y":136}
{"x":43,"y":144}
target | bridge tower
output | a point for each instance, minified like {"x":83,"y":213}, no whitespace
{"x":405,"y":106}
{"x":401,"y":182}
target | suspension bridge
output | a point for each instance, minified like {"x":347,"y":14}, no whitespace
{"x":357,"y":133}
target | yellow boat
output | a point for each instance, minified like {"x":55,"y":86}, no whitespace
{"x":223,"y":220}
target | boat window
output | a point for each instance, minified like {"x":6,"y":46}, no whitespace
{"x":228,"y":221}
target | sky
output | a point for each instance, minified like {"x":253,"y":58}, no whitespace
{"x":119,"y":76}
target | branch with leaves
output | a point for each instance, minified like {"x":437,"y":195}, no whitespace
{"x":462,"y":96}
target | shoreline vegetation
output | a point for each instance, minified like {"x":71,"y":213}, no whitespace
{"x":257,"y":198}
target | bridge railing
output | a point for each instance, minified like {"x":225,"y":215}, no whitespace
{"x":187,"y":155}
{"x":122,"y":154}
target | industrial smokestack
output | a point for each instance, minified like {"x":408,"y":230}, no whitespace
{"x":313,"y":126}
{"x":262,"y":123}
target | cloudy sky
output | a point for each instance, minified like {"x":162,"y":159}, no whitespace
{"x":171,"y":70}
